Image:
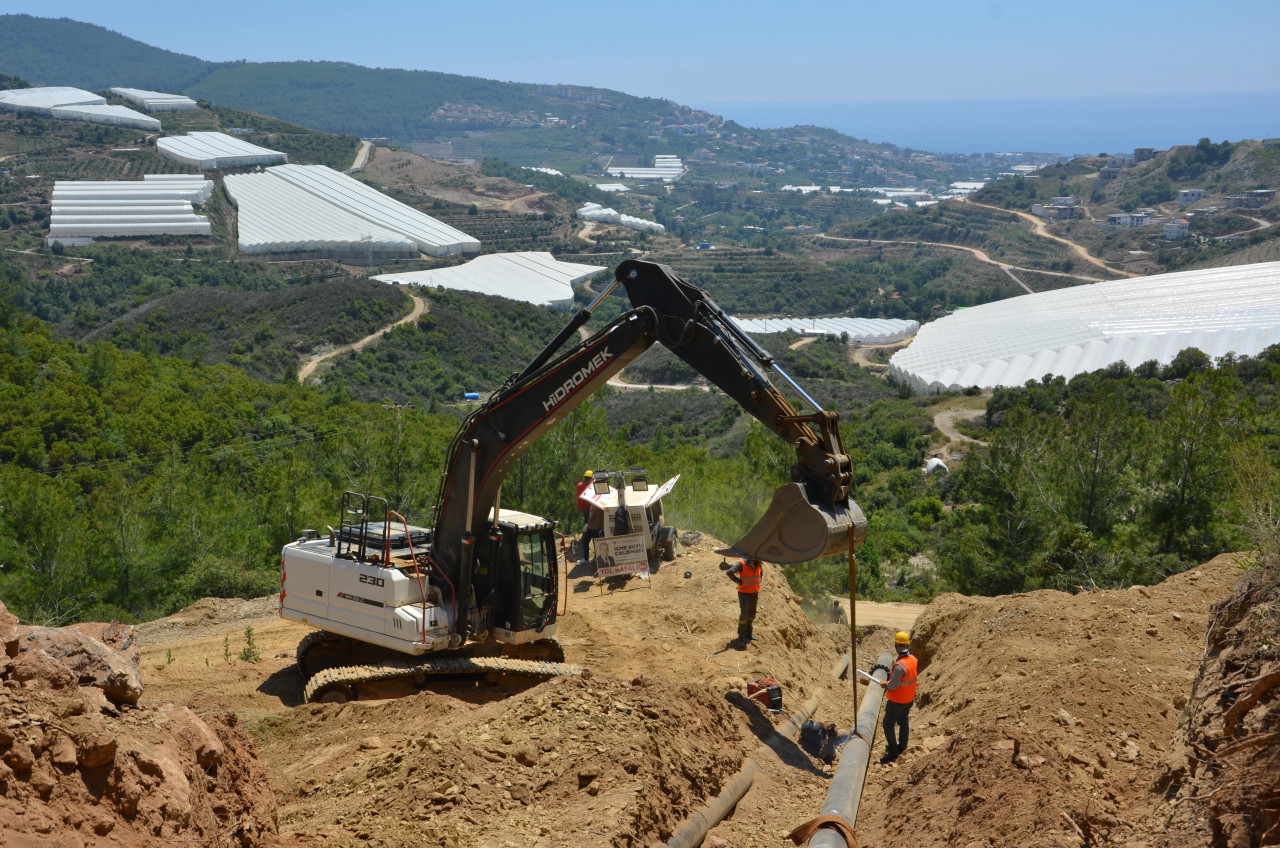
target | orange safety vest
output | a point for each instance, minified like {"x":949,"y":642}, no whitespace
{"x":906,"y":693}
{"x":749,"y":576}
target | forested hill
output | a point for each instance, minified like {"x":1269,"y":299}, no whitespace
{"x":61,"y":51}
{"x":331,"y":96}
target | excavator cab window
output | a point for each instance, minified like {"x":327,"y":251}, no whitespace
{"x":537,"y":577}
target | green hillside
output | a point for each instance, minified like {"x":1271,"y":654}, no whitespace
{"x":332,"y":96}
{"x":61,"y":51}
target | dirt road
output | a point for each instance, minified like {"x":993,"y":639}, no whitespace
{"x":310,"y":364}
{"x":362,"y":156}
{"x":893,"y":615}
{"x":1038,"y":225}
{"x":973,"y":251}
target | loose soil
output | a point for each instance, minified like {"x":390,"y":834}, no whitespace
{"x":400,"y":169}
{"x":1042,"y":719}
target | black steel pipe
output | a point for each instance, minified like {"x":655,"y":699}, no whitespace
{"x":851,"y":773}
{"x":695,"y":828}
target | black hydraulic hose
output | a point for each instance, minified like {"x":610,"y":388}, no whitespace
{"x":584,"y":314}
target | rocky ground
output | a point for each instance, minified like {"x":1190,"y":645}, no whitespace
{"x":1043,"y":719}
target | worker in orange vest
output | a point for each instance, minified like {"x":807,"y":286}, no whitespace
{"x":900,"y":692}
{"x":747,"y":573}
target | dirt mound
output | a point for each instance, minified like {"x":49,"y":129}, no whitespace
{"x":1222,"y":770}
{"x":618,"y":758}
{"x":572,"y":762}
{"x":79,"y":764}
{"x":1042,"y":719}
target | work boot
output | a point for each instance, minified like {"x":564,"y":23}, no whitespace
{"x":889,"y":756}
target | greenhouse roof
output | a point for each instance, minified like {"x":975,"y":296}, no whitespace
{"x":216,"y":150}
{"x":45,"y":98}
{"x":532,"y":277}
{"x":275,"y":216}
{"x":354,"y":197}
{"x":101,"y":114}
{"x":1077,"y":330}
{"x":866,"y":330}
{"x":155,"y":101}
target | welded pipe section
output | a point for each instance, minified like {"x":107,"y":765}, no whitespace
{"x":791,"y":726}
{"x":695,"y":828}
{"x":851,"y":774}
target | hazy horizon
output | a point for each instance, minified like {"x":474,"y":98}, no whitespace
{"x":1041,"y":125}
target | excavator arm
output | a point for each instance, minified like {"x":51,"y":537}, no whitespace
{"x":809,"y":517}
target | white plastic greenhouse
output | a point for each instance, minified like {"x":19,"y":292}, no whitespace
{"x":155,"y":101}
{"x":129,"y":208}
{"x":196,"y":227}
{"x":864,"y":330}
{"x":1074,"y":331}
{"x":42,"y":100}
{"x":666,"y":167}
{"x":275,"y":216}
{"x":119,"y":116}
{"x":431,"y":236}
{"x":216,"y":150}
{"x":532,"y":277}
{"x":606,"y":215}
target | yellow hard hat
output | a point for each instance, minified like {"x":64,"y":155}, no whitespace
{"x":588,"y":473}
{"x":901,"y":638}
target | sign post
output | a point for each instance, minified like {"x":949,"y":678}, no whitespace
{"x":620,"y":555}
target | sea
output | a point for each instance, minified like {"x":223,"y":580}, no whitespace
{"x":1070,"y":126}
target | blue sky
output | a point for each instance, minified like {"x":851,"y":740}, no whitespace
{"x":723,"y":52}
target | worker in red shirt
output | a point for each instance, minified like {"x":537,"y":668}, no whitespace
{"x":900,"y":694}
{"x":587,"y":477}
{"x":747,"y":573}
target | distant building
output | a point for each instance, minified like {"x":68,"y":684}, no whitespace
{"x":1056,"y":212}
{"x":1204,"y":212}
{"x":1142,"y":154}
{"x":1175,"y":229}
{"x":1110,"y":172}
{"x":1190,"y":195}
{"x":1251,"y":199}
{"x":1129,"y":219}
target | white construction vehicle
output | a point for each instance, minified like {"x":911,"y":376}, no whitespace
{"x":619,"y":492}
{"x":477,"y":594}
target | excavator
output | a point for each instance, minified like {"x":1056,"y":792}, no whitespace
{"x":476,"y":595}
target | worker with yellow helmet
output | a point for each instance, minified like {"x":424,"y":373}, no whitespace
{"x":900,"y":694}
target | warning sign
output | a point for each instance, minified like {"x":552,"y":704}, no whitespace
{"x":621,"y":555}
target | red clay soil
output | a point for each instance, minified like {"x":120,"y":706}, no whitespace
{"x":1044,"y":719}
{"x":79,"y":769}
{"x":1222,"y":774}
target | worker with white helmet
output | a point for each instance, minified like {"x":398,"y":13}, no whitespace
{"x":900,"y":694}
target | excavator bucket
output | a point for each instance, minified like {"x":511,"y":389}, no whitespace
{"x":796,"y":530}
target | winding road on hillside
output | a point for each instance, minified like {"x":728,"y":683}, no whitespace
{"x":976,"y":253}
{"x":310,"y":363}
{"x":1038,"y":225}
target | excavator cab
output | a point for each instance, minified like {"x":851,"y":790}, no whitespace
{"x":519,"y":578}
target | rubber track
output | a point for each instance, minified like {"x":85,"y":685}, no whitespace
{"x":354,"y":675}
